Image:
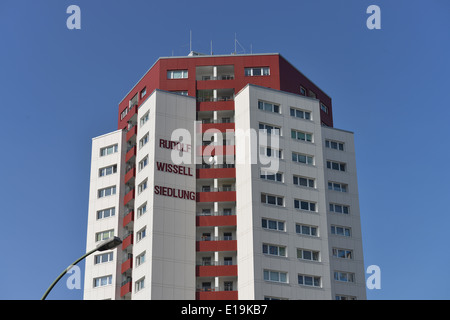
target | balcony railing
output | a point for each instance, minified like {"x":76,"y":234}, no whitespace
{"x":223,"y":120}
{"x":219,"y":189}
{"x":212,"y":99}
{"x":215,"y":166}
{"x":219,"y":77}
{"x":214,"y":238}
{"x":215,"y":214}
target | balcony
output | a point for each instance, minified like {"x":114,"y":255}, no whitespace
{"x":127,"y":265}
{"x":215,"y":220}
{"x":216,"y":271}
{"x":127,"y":241}
{"x":215,"y":105}
{"x":132,"y":132}
{"x":216,"y":196}
{"x":216,"y":172}
{"x":130,"y":174}
{"x":128,"y":197}
{"x":216,"y":294}
{"x":131,"y":153}
{"x":216,"y":245}
{"x":128,"y":218}
{"x":126,"y":287}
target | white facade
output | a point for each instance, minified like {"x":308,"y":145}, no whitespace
{"x":294,"y":254}
{"x":298,"y":233}
{"x":102,"y":273}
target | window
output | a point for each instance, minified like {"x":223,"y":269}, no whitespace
{"x":271,"y":176}
{"x":227,"y":261}
{"x":104,"y":235}
{"x":312,"y":94}
{"x":301,"y":114}
{"x":270,"y":199}
{"x":306,"y":230}
{"x":103,"y":258}
{"x":272,"y":224}
{"x":303,"y":136}
{"x":143,"y":163}
{"x":344,"y":276}
{"x":142,"y":186}
{"x":275,"y":276}
{"x":302,"y":158}
{"x":274,"y":250}
{"x":269,"y":129}
{"x":143,"y":140}
{"x":140,"y":284}
{"x":341,"y":231}
{"x":302,"y":91}
{"x":144,"y":118}
{"x":339,"y":208}
{"x":307,"y":255}
{"x":141,"y":234}
{"x":107,"y":170}
{"x":142,"y":209}
{"x":336,"y":166}
{"x":304,"y":205}
{"x":311,"y":281}
{"x":257,"y":71}
{"x":108,"y":150}
{"x":177,"y":74}
{"x":143,"y":92}
{"x":342,"y":297}
{"x":334,"y":145}
{"x":343,"y":253}
{"x":337,"y":186}
{"x":228,"y":285}
{"x":140,"y":259}
{"x":123,"y":113}
{"x":267,"y":106}
{"x":304,"y":182}
{"x":102,"y":281}
{"x":106,"y":192}
{"x":271,"y":152}
{"x":105,"y":213}
{"x":324,"y":108}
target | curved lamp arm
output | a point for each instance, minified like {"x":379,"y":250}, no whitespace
{"x":106,"y":245}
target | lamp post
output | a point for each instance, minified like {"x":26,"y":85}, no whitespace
{"x":105,"y":245}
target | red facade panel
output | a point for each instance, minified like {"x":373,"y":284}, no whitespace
{"x":130,"y":174}
{"x":215,"y":105}
{"x":127,"y":241}
{"x":126,"y":288}
{"x":218,"y":196}
{"x":216,"y":271}
{"x":217,"y":295}
{"x":216,"y":173}
{"x":210,"y":221}
{"x":128,"y":218}
{"x":126,"y":265}
{"x":128,"y":197}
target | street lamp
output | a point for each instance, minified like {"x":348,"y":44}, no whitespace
{"x":103,"y":246}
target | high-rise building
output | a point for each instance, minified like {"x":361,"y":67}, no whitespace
{"x":225,"y":180}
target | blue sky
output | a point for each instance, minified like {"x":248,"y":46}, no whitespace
{"x":59,"y":88}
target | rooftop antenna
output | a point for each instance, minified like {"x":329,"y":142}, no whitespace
{"x":211,"y":48}
{"x":190,"y":41}
{"x":237,"y":42}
